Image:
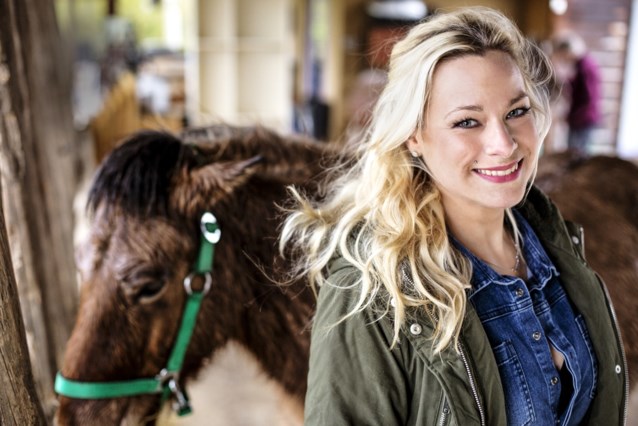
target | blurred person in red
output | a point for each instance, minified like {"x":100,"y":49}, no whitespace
{"x":582,"y":83}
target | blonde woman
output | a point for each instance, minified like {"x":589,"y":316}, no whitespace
{"x":450,"y":289}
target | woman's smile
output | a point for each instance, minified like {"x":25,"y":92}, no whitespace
{"x":500,"y":174}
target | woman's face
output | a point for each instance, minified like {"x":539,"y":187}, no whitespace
{"x":479,"y":139}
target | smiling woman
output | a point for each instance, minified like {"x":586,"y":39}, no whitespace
{"x":480,"y":144}
{"x":451,"y":289}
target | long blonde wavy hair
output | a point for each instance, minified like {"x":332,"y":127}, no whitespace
{"x":383,"y":213}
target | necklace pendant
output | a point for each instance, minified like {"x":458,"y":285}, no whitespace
{"x":517,"y":259}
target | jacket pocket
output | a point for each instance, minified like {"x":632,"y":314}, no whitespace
{"x":520,"y":410}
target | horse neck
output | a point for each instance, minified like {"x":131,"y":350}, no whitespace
{"x":274,"y":317}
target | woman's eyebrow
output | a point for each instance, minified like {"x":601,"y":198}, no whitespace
{"x":518,"y":98}
{"x":479,"y":108}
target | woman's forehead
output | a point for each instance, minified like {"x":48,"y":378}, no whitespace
{"x":475,"y":81}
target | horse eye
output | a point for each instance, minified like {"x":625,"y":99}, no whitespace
{"x":150,"y":289}
{"x":143,"y":289}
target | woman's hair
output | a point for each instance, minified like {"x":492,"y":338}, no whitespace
{"x":383,"y":213}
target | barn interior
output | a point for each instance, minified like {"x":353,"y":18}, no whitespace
{"x":307,"y":67}
{"x":166,"y":64}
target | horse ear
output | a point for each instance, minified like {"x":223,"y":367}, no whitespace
{"x":204,"y":186}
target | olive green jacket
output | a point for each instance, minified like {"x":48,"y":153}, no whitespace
{"x":356,"y":379}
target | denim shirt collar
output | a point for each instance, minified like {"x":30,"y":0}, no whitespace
{"x":540,"y":267}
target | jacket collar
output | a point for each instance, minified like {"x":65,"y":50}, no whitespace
{"x":545,"y":219}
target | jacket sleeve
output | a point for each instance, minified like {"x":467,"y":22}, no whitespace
{"x":354,"y":377}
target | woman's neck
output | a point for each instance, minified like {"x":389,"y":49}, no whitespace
{"x":486,"y":235}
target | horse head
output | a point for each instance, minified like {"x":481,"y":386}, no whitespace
{"x":147,"y":202}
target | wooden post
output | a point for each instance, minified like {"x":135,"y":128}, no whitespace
{"x":37,"y":158}
{"x":18,"y":399}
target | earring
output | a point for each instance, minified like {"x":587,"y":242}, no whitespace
{"x":414,"y":154}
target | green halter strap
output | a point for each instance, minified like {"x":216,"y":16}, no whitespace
{"x":167,"y":381}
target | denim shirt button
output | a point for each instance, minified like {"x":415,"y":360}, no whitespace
{"x":575,"y":239}
{"x":618,"y":369}
{"x":520,"y":292}
{"x":536,"y":335}
{"x":554,"y":381}
{"x":415,"y":329}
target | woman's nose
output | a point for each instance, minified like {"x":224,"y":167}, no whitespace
{"x":499,"y":141}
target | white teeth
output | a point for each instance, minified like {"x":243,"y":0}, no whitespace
{"x":499,"y":172}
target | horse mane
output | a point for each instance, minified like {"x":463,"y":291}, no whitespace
{"x":290,"y":159}
{"x":137,"y":175}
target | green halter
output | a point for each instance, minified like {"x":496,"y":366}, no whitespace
{"x":166,"y":381}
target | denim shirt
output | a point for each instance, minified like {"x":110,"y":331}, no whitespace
{"x":520,"y":319}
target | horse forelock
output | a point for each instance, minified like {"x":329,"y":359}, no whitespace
{"x":137,"y":175}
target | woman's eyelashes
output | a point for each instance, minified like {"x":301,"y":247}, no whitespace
{"x":466,"y":123}
{"x":518,"y":112}
{"x":469,"y":123}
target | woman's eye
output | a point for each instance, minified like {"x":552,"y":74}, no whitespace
{"x":518,"y":112}
{"x":466,"y":123}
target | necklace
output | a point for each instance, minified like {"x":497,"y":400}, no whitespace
{"x":517,"y":259}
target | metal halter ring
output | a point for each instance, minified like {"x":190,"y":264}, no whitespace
{"x":164,"y":376}
{"x":171,"y":380}
{"x":208,"y":281}
{"x":212,"y":236}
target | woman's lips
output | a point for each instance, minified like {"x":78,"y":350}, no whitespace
{"x":501,"y":174}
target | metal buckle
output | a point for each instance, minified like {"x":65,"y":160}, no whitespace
{"x":208,"y":281}
{"x":181,"y":405}
{"x":164,"y":376}
{"x":211,"y":236}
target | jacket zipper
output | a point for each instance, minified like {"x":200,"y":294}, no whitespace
{"x":614,"y":319}
{"x":472,"y":382}
{"x":445,"y":414}
{"x":469,"y":374}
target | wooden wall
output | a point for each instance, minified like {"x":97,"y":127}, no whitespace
{"x":604,"y":25}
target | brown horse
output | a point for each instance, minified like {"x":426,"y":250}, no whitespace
{"x":147,"y":200}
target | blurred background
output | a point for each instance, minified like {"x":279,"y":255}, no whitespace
{"x":308,"y":66}
{"x":77,"y":76}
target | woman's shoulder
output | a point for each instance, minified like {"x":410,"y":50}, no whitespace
{"x":344,"y":304}
{"x":339,"y":293}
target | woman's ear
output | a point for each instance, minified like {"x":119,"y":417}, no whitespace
{"x":414,"y":146}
